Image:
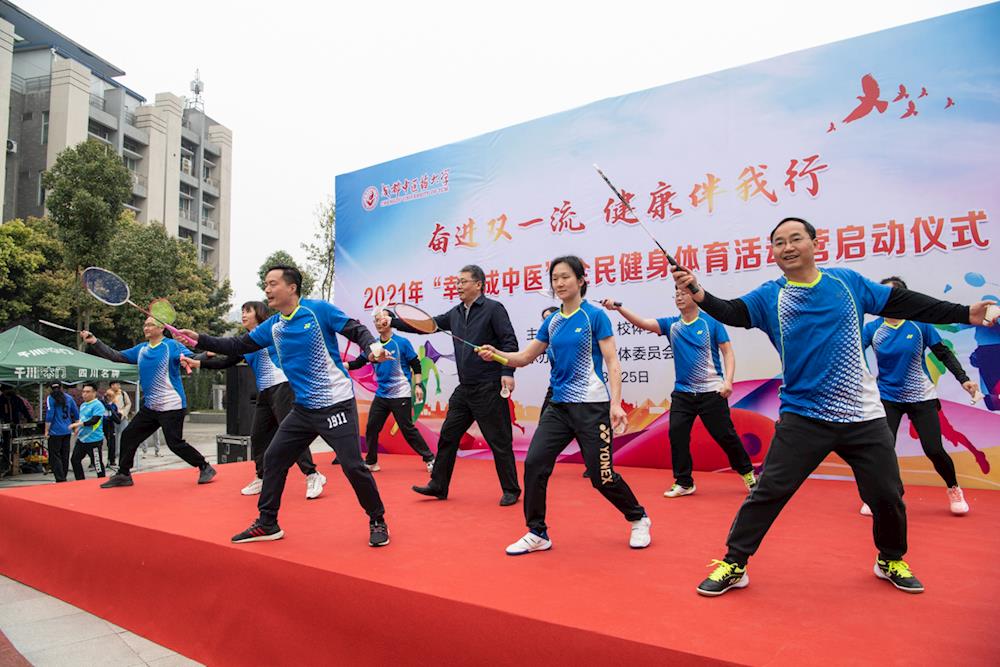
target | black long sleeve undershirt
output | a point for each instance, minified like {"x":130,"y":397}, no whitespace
{"x":218,"y":363}
{"x":92,"y":421}
{"x":102,"y":349}
{"x":360,"y":361}
{"x":950,"y":361}
{"x":902,"y":304}
{"x":228,"y":345}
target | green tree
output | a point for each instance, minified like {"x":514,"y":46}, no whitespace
{"x":155,"y":266}
{"x":20,"y":261}
{"x":87,"y":188}
{"x":280,"y":257}
{"x":320,"y":253}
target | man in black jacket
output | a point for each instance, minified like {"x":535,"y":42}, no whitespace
{"x":480,"y":383}
{"x":829,"y":400}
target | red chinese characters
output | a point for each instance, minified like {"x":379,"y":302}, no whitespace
{"x":660,"y":205}
{"x":753,"y":183}
{"x":615,"y":211}
{"x":704,"y":193}
{"x":809,"y":169}
{"x":439,"y":239}
{"x":563,"y":219}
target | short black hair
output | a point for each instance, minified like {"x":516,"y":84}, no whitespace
{"x":476,"y":271}
{"x":290,"y":275}
{"x":259,"y":308}
{"x":548,"y":311}
{"x":92,"y":385}
{"x":576,"y":266}
{"x":805,"y":223}
{"x":895,"y":281}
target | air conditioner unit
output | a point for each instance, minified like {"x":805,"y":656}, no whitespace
{"x":186,"y":165}
{"x":11,"y":146}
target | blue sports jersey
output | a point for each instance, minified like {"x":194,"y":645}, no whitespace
{"x":95,"y":432}
{"x":160,"y":373}
{"x":59,"y":418}
{"x":394,"y":374}
{"x":816,"y":329}
{"x":306,"y":342}
{"x":266,"y":367}
{"x":575,"y":353}
{"x":902,"y":367}
{"x":697,"y":367}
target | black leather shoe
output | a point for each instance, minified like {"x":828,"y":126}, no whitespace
{"x":509,"y":499}
{"x":431,"y":491}
{"x":206,"y":474}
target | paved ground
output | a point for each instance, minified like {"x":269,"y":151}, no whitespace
{"x":48,"y":631}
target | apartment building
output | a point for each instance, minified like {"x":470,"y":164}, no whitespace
{"x":61,"y":94}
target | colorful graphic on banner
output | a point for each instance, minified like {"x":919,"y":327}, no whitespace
{"x":888,"y":143}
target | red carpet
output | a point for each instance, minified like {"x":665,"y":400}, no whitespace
{"x":156,"y":559}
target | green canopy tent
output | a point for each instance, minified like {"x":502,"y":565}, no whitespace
{"x":30,"y":358}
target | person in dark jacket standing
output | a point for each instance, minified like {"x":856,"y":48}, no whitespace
{"x":483,"y":386}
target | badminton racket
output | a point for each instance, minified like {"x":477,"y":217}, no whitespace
{"x":112,"y":290}
{"x":621,"y":198}
{"x":56,"y":326}
{"x":424,"y":323}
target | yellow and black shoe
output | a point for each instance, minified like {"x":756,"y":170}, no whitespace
{"x":897,"y":573}
{"x":726,"y":575}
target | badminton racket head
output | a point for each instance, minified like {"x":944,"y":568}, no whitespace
{"x":163,"y":311}
{"x":105,"y":286}
{"x":415,"y":317}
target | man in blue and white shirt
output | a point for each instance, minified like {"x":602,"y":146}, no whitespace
{"x":164,"y":403}
{"x":274,"y":401}
{"x":701,"y":387}
{"x":399,"y":382}
{"x":829,"y":399}
{"x":304,"y":334}
{"x":89,"y":432}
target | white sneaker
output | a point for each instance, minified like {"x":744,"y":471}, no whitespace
{"x":957,"y":500}
{"x":640,"y":538}
{"x":373,"y":467}
{"x":676,"y":491}
{"x":865,"y":510}
{"x":253,"y":488}
{"x":530,"y":542}
{"x":314,"y":485}
{"x":430,"y":465}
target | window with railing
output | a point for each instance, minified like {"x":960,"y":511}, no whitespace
{"x":99,"y":131}
{"x":97,"y":101}
{"x":130,"y":118}
{"x":45,"y":127}
{"x":132,"y":145}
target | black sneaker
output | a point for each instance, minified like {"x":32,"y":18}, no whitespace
{"x":726,"y":575}
{"x":259,"y":532}
{"x":378,"y":533}
{"x":431,"y":491}
{"x":117,"y":479}
{"x":897,"y":573}
{"x":206,"y":474}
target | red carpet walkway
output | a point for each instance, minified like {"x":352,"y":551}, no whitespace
{"x":156,"y":559}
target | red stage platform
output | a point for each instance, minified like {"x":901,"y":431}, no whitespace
{"x":156,"y":559}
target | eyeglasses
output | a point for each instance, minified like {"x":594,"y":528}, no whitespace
{"x":466,"y":281}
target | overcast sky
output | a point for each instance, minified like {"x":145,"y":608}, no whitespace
{"x":311,"y":90}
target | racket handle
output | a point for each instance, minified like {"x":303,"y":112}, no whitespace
{"x":179,"y":337}
{"x":500,"y":360}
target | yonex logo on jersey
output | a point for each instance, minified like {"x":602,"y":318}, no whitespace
{"x":336,"y":420}
{"x":307,"y":325}
{"x":909,"y":336}
{"x":578,"y":329}
{"x":700,"y":331}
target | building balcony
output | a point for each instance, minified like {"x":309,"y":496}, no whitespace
{"x":98,"y":102}
{"x":138,"y":184}
{"x":209,"y":227}
{"x":187,"y":221}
